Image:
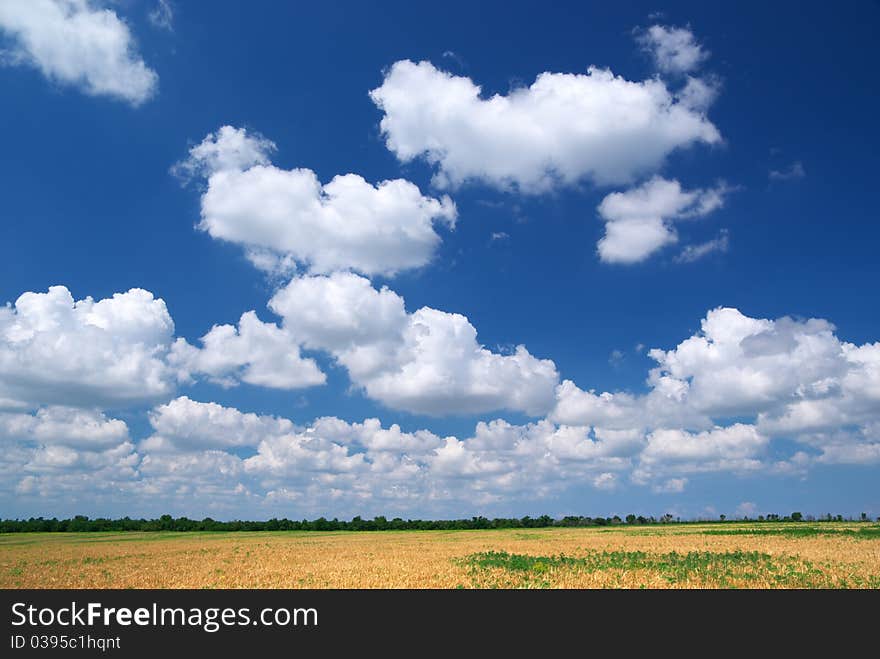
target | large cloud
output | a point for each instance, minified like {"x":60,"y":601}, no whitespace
{"x":187,"y":424}
{"x":63,"y":453}
{"x":330,"y":459}
{"x":75,"y":42}
{"x":737,"y":448}
{"x":741,"y":365}
{"x":254,"y":352}
{"x":75,"y":428}
{"x":365,"y":467}
{"x":639,"y":222}
{"x":288,"y":217}
{"x":791,"y":379}
{"x":717,"y":403}
{"x":121,"y":351}
{"x":562,"y":129}
{"x":428,"y":361}
{"x":113,"y":351}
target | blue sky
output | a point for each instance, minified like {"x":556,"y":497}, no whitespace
{"x":751,"y":197}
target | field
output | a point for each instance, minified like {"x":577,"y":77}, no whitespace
{"x":676,"y":556}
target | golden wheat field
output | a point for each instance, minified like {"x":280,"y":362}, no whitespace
{"x":688,"y":556}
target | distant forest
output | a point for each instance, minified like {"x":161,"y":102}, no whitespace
{"x":81,"y":523}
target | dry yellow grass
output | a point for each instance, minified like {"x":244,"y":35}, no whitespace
{"x":596,"y":557}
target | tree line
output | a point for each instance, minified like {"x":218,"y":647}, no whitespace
{"x":81,"y":523}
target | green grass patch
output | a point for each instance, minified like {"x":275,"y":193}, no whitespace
{"x":871,"y":532}
{"x":700,"y":568}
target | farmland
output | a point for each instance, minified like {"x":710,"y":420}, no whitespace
{"x":739,"y":555}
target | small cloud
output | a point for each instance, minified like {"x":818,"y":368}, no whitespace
{"x":616,"y":357}
{"x":699,"y":93}
{"x":455,"y":57}
{"x":747,"y":509}
{"x":27,"y":485}
{"x":499,"y":235}
{"x":639,"y":347}
{"x":791,"y":173}
{"x":605,"y":481}
{"x":674,"y":49}
{"x":162,"y":16}
{"x":671,"y":486}
{"x":76,"y":43}
{"x":693,"y":253}
{"x":640,"y":221}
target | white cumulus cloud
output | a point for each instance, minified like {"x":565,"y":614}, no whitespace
{"x":54,"y":350}
{"x":428,"y":361}
{"x":64,"y":454}
{"x":674,"y":49}
{"x":121,"y":351}
{"x":716,"y":402}
{"x":366,"y":467}
{"x":185,"y":424}
{"x":562,"y":129}
{"x":255,"y":352}
{"x":71,"y":427}
{"x":287,"y":216}
{"x":790,"y":379}
{"x":735,"y":448}
{"x":639,"y":221}
{"x":78,"y":43}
